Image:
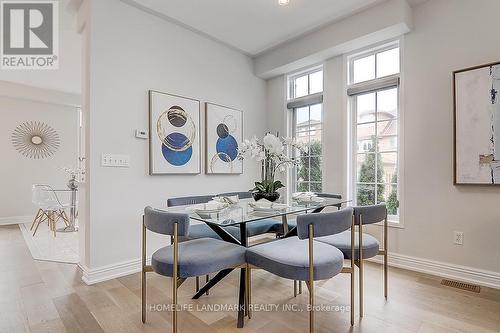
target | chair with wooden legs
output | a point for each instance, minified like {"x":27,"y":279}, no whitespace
{"x":50,"y":208}
{"x":303,"y":258}
{"x":181,"y":260}
{"x":365,"y":245}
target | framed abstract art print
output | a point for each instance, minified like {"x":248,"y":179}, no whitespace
{"x":174,"y":134}
{"x":477,"y":125}
{"x":223,"y":131}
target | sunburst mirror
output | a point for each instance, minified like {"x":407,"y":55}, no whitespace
{"x":35,"y":139}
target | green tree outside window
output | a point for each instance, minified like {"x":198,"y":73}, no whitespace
{"x":366,"y":192}
{"x":309,"y":169}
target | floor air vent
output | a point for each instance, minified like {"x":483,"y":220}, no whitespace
{"x":461,"y":285}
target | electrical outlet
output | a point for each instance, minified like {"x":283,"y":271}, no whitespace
{"x":458,"y":238}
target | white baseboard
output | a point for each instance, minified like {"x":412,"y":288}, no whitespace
{"x":16,"y":220}
{"x":109,"y":272}
{"x":442,"y":269}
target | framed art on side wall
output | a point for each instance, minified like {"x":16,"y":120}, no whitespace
{"x":477,"y":125}
{"x":174,"y":134}
{"x":224,"y":131}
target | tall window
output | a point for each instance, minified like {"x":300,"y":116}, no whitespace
{"x":306,"y":103}
{"x":374,"y":93}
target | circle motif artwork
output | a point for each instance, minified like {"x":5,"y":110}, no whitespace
{"x":177,"y":132}
{"x":224,"y":127}
{"x":35,"y":139}
{"x":175,"y":157}
{"x":226,"y":146}
{"x":226,"y":143}
{"x":221,"y":160}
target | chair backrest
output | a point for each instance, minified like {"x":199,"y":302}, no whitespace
{"x":162,"y":222}
{"x":241,"y":195}
{"x":182,"y":201}
{"x":44,"y":196}
{"x":324,"y":224}
{"x":35,"y":196}
{"x":370,"y":214}
{"x":329,"y":195}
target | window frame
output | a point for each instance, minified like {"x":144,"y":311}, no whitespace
{"x":367,"y":53}
{"x":291,"y":80}
{"x":371,"y":86}
{"x":294,"y":180}
{"x":304,"y":101}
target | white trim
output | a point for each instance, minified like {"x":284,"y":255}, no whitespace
{"x":104,"y":273}
{"x":456,"y":272}
{"x":16,"y":219}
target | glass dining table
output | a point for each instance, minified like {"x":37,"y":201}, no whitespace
{"x":242,"y":214}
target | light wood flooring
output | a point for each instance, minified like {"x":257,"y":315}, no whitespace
{"x":37,"y":296}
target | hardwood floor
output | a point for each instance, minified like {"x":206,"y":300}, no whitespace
{"x":38,"y":296}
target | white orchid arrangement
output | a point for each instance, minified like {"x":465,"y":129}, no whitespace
{"x":271,"y":151}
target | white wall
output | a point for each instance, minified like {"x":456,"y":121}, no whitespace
{"x":447,"y":35}
{"x":19,"y":173}
{"x":131,"y":52}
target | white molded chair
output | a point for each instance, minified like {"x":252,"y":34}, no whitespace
{"x":50,"y":208}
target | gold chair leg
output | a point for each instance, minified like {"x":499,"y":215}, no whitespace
{"x":249,"y":291}
{"x":174,"y":280}
{"x":385,"y":256}
{"x":352,"y":271}
{"x":360,"y":251}
{"x":143,"y":273}
{"x":311,"y":279}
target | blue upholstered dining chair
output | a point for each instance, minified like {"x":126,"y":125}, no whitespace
{"x":293,"y":223}
{"x":365,"y":245}
{"x":200,"y":230}
{"x":186,"y":259}
{"x":296,"y":258}
{"x":259,"y":227}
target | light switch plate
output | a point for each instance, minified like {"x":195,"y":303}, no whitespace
{"x":113,"y":160}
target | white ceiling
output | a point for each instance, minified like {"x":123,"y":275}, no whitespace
{"x":253,"y":26}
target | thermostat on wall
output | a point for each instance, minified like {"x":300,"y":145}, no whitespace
{"x":141,"y":134}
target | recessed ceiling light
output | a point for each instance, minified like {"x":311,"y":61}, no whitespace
{"x":283,"y":2}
